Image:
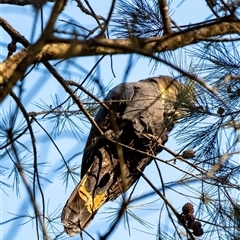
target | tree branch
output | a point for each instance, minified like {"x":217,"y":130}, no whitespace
{"x":63,"y":49}
{"x":163,"y":7}
{"x":21,"y":2}
{"x":28,"y":57}
{"x":86,"y":11}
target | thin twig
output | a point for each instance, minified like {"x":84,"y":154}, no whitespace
{"x":163,"y":198}
{"x":73,"y":95}
{"x":35,"y":165}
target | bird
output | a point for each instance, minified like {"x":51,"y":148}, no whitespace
{"x":135,"y":122}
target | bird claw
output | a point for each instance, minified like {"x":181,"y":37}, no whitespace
{"x":110,"y":134}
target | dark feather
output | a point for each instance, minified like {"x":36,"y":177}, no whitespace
{"x":137,"y":111}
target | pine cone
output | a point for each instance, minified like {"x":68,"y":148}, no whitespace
{"x":12,"y":47}
{"x":196,"y":225}
{"x":188,"y":154}
{"x":220,"y":111}
{"x":190,"y":218}
{"x":188,"y":209}
{"x":198,"y":232}
{"x":182,"y":220}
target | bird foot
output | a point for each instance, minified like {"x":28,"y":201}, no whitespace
{"x":110,"y":134}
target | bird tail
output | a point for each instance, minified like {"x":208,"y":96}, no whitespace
{"x":81,"y":207}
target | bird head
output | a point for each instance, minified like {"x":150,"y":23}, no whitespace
{"x":177,"y":98}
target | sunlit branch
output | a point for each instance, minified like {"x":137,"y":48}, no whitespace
{"x":21,"y":2}
{"x":12,"y":68}
{"x":163,"y":6}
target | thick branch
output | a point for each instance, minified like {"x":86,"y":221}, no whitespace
{"x":74,"y":48}
{"x":26,"y":58}
{"x":21,"y":2}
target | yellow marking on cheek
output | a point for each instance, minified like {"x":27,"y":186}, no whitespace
{"x":168,"y":95}
{"x":91,"y":204}
{"x":163,"y":97}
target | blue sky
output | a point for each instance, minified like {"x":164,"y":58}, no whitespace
{"x":21,"y":18}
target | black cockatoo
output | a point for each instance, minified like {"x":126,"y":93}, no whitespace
{"x":140,"y":115}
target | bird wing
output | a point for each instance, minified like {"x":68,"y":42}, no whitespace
{"x":116,"y":100}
